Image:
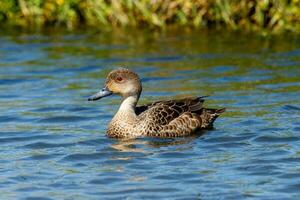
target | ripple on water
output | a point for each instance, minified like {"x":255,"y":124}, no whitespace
{"x":36,"y":197}
{"x":27,"y":138}
{"x":290,"y":188}
{"x":64,"y":119}
{"x":291,"y":107}
{"x":57,"y":109}
{"x":7,"y":134}
{"x":8,"y":96}
{"x":104,"y":181}
{"x":261,"y":170}
{"x":89,"y":156}
{"x":159,"y":59}
{"x":12,"y":81}
{"x":175,"y":155}
{"x":140,"y":191}
{"x":223,"y":69}
{"x":275,"y":153}
{"x":42,"y":157}
{"x":290,"y":176}
{"x":228,"y":139}
{"x":276,"y":139}
{"x":46,"y":145}
{"x":4,"y":119}
{"x":296,"y":129}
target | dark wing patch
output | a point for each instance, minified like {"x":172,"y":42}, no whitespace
{"x":162,"y":112}
{"x":140,"y":109}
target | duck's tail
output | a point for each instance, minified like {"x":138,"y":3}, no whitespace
{"x":209,"y":115}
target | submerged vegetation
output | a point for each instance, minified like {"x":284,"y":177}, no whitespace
{"x":251,"y":15}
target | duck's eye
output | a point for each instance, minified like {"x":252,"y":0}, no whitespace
{"x":119,"y":79}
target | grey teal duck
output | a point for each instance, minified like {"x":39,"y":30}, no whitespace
{"x":172,"y":118}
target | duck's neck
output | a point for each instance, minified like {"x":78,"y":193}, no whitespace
{"x":128,"y":106}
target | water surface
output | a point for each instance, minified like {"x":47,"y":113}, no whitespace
{"x":53,"y":143}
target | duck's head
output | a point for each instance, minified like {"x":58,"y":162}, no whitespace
{"x":123,"y":82}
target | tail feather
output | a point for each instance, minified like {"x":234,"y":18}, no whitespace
{"x":209,"y":115}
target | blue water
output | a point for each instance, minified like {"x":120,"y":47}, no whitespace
{"x":53,"y":143}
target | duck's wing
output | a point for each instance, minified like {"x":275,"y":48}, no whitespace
{"x":162,"y":112}
{"x":177,"y":118}
{"x":187,"y":123}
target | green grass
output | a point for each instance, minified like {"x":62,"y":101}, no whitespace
{"x":250,"y":15}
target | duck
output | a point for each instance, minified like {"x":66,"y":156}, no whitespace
{"x":164,"y":119}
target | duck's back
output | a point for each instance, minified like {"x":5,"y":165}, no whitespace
{"x":176,"y":118}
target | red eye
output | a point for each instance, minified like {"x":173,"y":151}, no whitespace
{"x":119,"y":79}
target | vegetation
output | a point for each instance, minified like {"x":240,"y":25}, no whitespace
{"x":252,"y":15}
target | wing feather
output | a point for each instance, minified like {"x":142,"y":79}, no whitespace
{"x":162,"y":112}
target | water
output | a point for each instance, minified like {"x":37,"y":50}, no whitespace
{"x":53,"y":143}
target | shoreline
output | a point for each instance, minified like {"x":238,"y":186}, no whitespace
{"x":263,"y":17}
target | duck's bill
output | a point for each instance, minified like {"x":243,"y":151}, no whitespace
{"x":102,"y":93}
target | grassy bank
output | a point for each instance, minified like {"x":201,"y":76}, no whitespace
{"x":251,"y":15}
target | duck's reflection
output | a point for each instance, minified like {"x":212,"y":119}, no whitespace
{"x":141,"y":145}
{"x":129,"y":145}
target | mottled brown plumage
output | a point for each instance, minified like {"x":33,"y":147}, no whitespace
{"x":173,"y":118}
